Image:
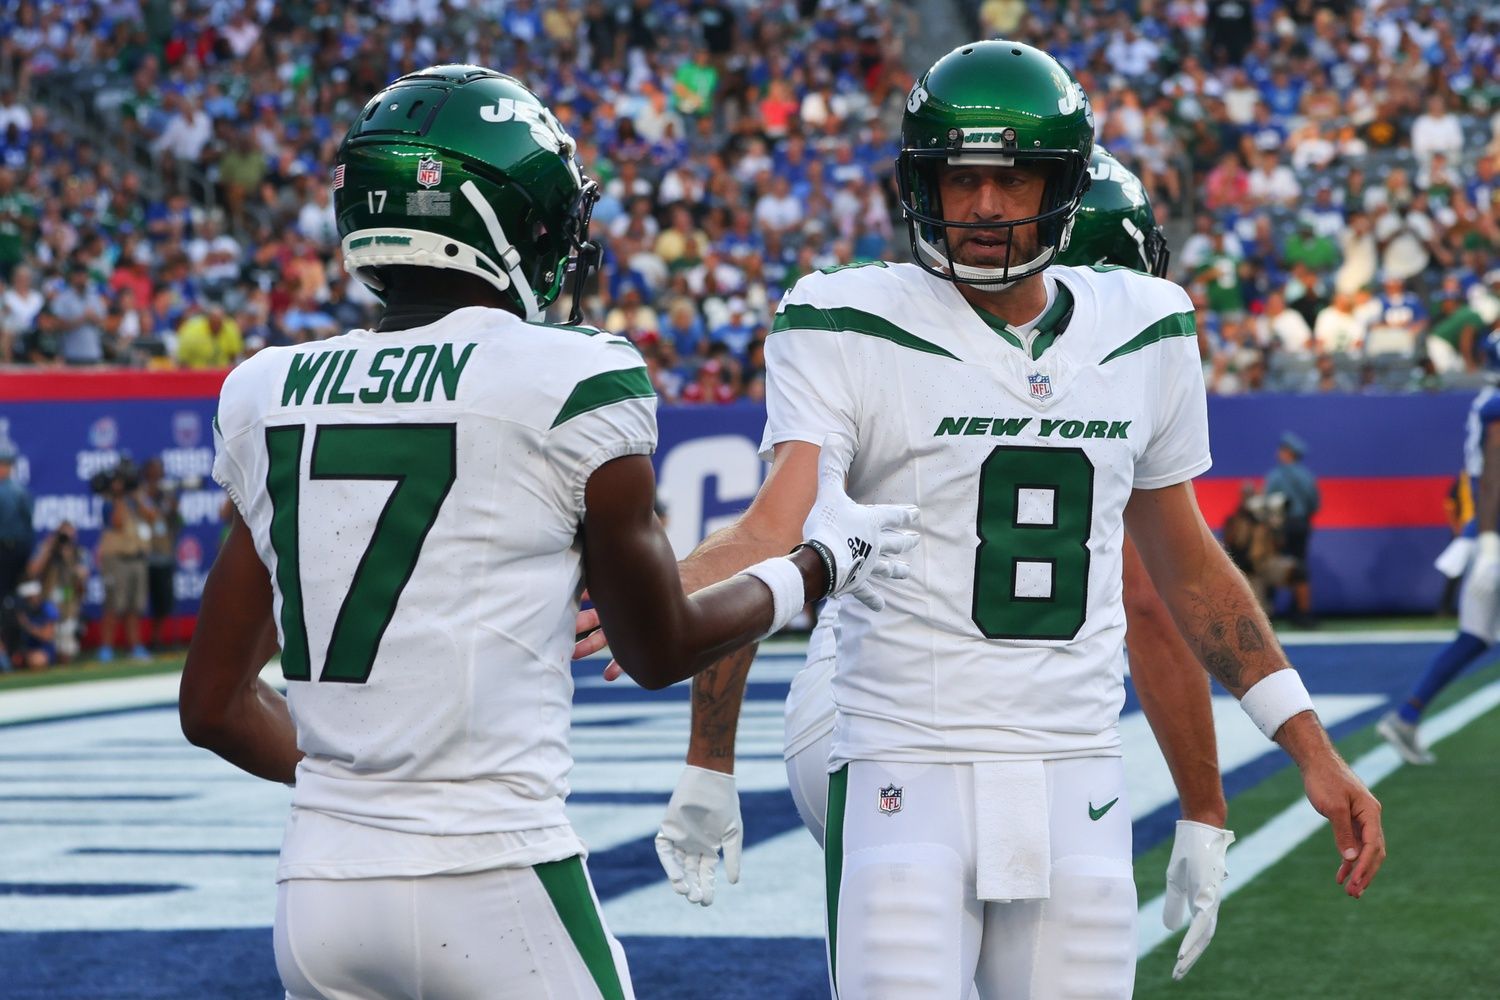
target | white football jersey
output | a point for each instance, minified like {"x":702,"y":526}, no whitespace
{"x":1021,"y":449}
{"x":417,"y":496}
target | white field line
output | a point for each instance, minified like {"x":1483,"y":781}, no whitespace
{"x":1252,"y":855}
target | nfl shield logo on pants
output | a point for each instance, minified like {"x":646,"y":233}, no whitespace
{"x":429,"y":172}
{"x":1041,"y":385}
{"x":890,"y":799}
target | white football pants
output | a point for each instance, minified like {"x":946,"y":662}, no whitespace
{"x":905,"y":922}
{"x":504,"y":934}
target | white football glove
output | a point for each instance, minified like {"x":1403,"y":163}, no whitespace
{"x":1195,"y":885}
{"x":703,"y":816}
{"x":860,"y":540}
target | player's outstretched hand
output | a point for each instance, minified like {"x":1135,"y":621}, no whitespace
{"x":1195,"y":885}
{"x":862,"y":541}
{"x":1336,"y":791}
{"x":702,"y":818}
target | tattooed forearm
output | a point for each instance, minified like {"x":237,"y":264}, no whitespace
{"x":717,"y":694}
{"x":1231,"y":640}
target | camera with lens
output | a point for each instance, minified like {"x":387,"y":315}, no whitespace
{"x":123,"y":473}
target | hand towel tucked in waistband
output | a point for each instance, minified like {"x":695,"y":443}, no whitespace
{"x":1013,"y":841}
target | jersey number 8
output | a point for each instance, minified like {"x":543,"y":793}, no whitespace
{"x":1031,"y":569}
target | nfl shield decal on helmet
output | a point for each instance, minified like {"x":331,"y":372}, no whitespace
{"x":429,"y":172}
{"x":890,"y":799}
{"x":1040,"y":384}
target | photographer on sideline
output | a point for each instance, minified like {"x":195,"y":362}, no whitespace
{"x":63,"y":570}
{"x":128,"y":524}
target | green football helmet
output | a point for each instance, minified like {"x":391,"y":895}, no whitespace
{"x":993,"y":103}
{"x":1115,"y":224}
{"x":462,"y":167}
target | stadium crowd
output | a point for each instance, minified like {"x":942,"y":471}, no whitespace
{"x":1329,"y":168}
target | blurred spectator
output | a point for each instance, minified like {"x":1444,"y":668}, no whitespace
{"x":36,"y":624}
{"x":1292,"y":480}
{"x":1284,"y":329}
{"x":16,"y":539}
{"x":1337,"y":328}
{"x":20,"y":304}
{"x":210,"y":339}
{"x":1400,"y":320}
{"x":160,"y":495}
{"x":78,"y":311}
{"x":123,"y":543}
{"x":62,"y":568}
{"x":1436,"y":130}
{"x":1326,"y":377}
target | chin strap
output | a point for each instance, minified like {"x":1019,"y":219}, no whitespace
{"x":509,"y":256}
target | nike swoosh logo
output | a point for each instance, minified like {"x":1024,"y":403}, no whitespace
{"x":1098,"y":814}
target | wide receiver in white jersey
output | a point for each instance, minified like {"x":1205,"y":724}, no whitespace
{"x":415,"y":509}
{"x":975,"y":828}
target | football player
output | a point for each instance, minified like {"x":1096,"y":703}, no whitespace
{"x":415,"y":506}
{"x":1479,"y":602}
{"x":1115,"y":226}
{"x":975,"y":828}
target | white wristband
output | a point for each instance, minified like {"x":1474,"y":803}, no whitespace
{"x":787,"y":590}
{"x":1274,"y":699}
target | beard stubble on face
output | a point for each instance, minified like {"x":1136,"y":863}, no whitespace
{"x":988,"y":248}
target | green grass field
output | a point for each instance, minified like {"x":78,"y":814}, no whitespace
{"x":91,"y":670}
{"x":1426,"y":929}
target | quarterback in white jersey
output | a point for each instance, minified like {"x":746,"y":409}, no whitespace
{"x":976,"y":832}
{"x":416,"y":507}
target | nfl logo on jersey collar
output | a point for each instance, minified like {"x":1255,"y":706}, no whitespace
{"x":890,"y":799}
{"x":1040,"y":384}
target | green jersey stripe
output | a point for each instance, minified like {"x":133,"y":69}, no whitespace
{"x":604,"y":389}
{"x":1176,"y":325}
{"x":833,"y":860}
{"x":842,"y":319}
{"x":568,"y":888}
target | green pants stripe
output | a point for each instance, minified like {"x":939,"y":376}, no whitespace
{"x":568,"y":888}
{"x":833,"y":862}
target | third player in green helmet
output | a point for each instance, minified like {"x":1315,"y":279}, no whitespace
{"x":1041,"y":119}
{"x":1115,"y":223}
{"x":462,"y":167}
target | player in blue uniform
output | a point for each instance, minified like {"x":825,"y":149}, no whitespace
{"x":1479,"y":606}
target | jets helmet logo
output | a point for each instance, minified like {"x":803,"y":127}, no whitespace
{"x":890,"y":799}
{"x":545,"y":128}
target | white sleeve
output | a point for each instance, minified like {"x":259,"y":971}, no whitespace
{"x":231,"y":420}
{"x":1178,"y":449}
{"x":808,"y":389}
{"x":606,"y":416}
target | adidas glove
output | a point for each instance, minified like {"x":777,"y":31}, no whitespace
{"x":858,"y":543}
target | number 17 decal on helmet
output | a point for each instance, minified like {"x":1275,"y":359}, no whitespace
{"x":462,"y":167}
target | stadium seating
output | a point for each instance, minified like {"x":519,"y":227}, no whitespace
{"x":181,"y":164}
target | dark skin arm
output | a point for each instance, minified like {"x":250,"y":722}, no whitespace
{"x":223,"y":704}
{"x":658,"y":634}
{"x":782,"y":503}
